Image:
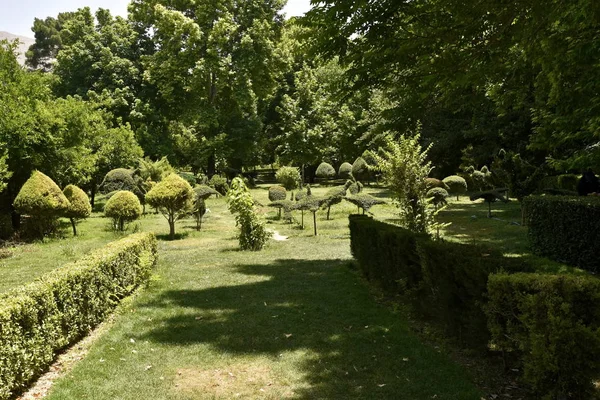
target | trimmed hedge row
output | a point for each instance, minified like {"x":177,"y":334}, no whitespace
{"x":40,"y":319}
{"x":565,"y":228}
{"x":552,"y":322}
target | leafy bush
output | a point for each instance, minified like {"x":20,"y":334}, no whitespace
{"x":360,"y":169}
{"x":43,"y":200}
{"x":310,"y":203}
{"x":119,"y":179}
{"x":354,"y":187}
{"x":286,"y":205}
{"x":438,"y":196}
{"x":552,"y":322}
{"x":568,"y":182}
{"x":334,"y":196}
{"x":154,"y":171}
{"x":491,"y":196}
{"x":189,"y":177}
{"x":288,"y":177}
{"x":40,"y":319}
{"x":364,"y":201}
{"x":174,"y":198}
{"x":219,"y":183}
{"x":565,"y":228}
{"x":277,"y":193}
{"x":325,"y":171}
{"x":435,"y":183}
{"x":198,"y":211}
{"x":204,"y":192}
{"x":345,"y":171}
{"x":79,"y":205}
{"x":123,"y":207}
{"x":253,"y":235}
{"x":456,"y":184}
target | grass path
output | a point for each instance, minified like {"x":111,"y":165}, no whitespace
{"x":293,"y":321}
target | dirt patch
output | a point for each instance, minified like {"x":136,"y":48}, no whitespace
{"x":234,"y":381}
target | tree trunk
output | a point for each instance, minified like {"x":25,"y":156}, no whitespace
{"x":315,"y":222}
{"x":74,"y":226}
{"x":302,"y":224}
{"x":93,"y":194}
{"x":302,"y":177}
{"x":489,"y":209}
{"x":211,"y":166}
{"x":328,"y":209}
{"x":171,"y":228}
{"x":121,"y":224}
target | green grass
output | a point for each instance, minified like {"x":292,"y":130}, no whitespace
{"x":292,"y":321}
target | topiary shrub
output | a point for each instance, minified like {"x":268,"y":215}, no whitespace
{"x":310,"y":203}
{"x":79,"y":205}
{"x":568,"y":182}
{"x":189,"y":177}
{"x":286,"y":205}
{"x":118,"y":179}
{"x":325,"y":171}
{"x":364,"y":201}
{"x":435,"y":183}
{"x":490,"y":197}
{"x":43,"y":201}
{"x":277,"y":193}
{"x":253,"y":235}
{"x":174,"y":199}
{"x":219,"y":183}
{"x":334,"y":196}
{"x":437,"y":196}
{"x":354,"y":187}
{"x":456,"y":184}
{"x":345,"y":171}
{"x":123,"y":207}
{"x":360,"y":169}
{"x":198,"y":211}
{"x":288,"y":177}
{"x":204,"y":192}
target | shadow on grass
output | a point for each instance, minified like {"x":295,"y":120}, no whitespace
{"x":353,"y":347}
{"x":178,"y":236}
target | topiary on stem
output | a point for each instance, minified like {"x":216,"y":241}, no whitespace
{"x":364,"y":201}
{"x":437,"y":196}
{"x":456,"y":184}
{"x":345,"y":171}
{"x":253,"y":235}
{"x":123,"y":207}
{"x":334,"y":196}
{"x":360,"y":169}
{"x":173,"y":197}
{"x":79,"y":205}
{"x":325,"y":171}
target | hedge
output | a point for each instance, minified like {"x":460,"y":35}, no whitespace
{"x":565,"y":228}
{"x":40,"y":319}
{"x":552,"y":322}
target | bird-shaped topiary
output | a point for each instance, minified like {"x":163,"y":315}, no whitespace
{"x":490,"y":197}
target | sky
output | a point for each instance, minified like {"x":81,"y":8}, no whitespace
{"x":16,"y":16}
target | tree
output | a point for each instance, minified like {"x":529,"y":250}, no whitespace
{"x":288,"y":177}
{"x":123,"y":207}
{"x":79,"y":205}
{"x":174,"y":198}
{"x":253,"y":235}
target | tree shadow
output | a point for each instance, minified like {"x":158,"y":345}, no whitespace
{"x":354,"y":347}
{"x":178,"y":236}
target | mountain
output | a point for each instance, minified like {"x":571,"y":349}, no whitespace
{"x":24,"y":44}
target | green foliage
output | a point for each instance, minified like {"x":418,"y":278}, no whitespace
{"x":219,"y":183}
{"x":334,"y":196}
{"x":568,"y":182}
{"x":565,"y":228}
{"x":552,"y":322}
{"x":79,"y":205}
{"x":189,"y":177}
{"x":204,"y":192}
{"x":354,"y":187}
{"x":364,"y":201}
{"x":456,"y":184}
{"x":253,"y":234}
{"x":325,"y":171}
{"x":119,"y":179}
{"x":155,"y":171}
{"x":360,"y":169}
{"x":123,"y":207}
{"x":199,"y":210}
{"x":288,"y":177}
{"x":345,"y":171}
{"x":43,"y":318}
{"x":5,"y":174}
{"x":174,"y":198}
{"x":438,"y":196}
{"x":404,"y":167}
{"x":277,"y":193}
{"x":435,"y":183}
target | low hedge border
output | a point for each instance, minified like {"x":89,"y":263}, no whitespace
{"x":40,"y":319}
{"x":565,"y":228}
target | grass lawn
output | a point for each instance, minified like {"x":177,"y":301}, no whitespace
{"x":292,"y":321}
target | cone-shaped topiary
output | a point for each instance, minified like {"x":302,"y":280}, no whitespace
{"x":79,"y":205}
{"x":43,"y":200}
{"x":345,"y":171}
{"x":456,"y":184}
{"x":123,"y":207}
{"x":360,"y":169}
{"x":174,"y":198}
{"x":325,"y":171}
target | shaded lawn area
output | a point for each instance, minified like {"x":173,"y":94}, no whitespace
{"x":292,"y":321}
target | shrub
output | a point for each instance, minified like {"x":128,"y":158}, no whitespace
{"x":198,"y":211}
{"x":312,"y":204}
{"x":456,"y":184}
{"x":286,"y":205}
{"x":334,"y":196}
{"x":43,"y":200}
{"x":360,"y":169}
{"x":118,"y":179}
{"x":431,"y":183}
{"x":552,"y":322}
{"x":174,"y":198}
{"x":79,"y":205}
{"x":437,"y":196}
{"x":40,"y":319}
{"x":568,"y":182}
{"x":253,"y":235}
{"x":354,"y":187}
{"x":325,"y":171}
{"x":219,"y":183}
{"x":345,"y":171}
{"x":364,"y":201}
{"x":204,"y":192}
{"x":490,"y":197}
{"x":154,"y":171}
{"x":288,"y":177}
{"x":188,"y":177}
{"x":123,"y":207}
{"x":565,"y":228}
{"x":277,"y":193}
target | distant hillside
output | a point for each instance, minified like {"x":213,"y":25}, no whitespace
{"x":25,"y":42}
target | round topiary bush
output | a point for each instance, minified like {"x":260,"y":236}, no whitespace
{"x":79,"y":205}
{"x":288,"y":177}
{"x":345,"y":171}
{"x":456,"y":184}
{"x":325,"y":171}
{"x":437,"y":196}
{"x":435,"y":183}
{"x":219,"y":183}
{"x":174,"y":198}
{"x":360,"y":169}
{"x":118,"y":179}
{"x":123,"y":207}
{"x":43,"y":200}
{"x":277,"y":193}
